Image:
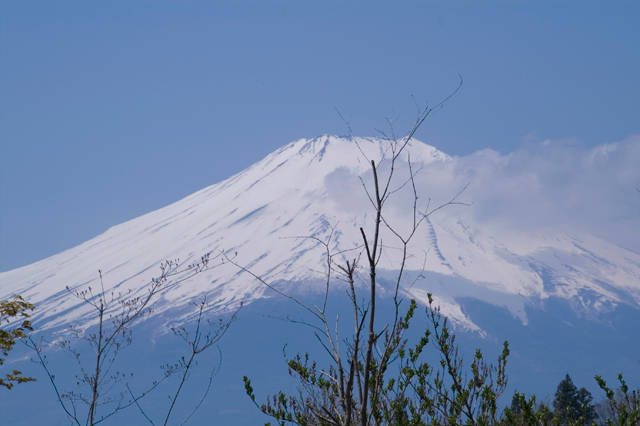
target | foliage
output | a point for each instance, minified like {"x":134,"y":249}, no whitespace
{"x":621,"y":408}
{"x":572,"y":407}
{"x":450,"y":396}
{"x":420,"y":394}
{"x":527,"y":412}
{"x":13,"y":309}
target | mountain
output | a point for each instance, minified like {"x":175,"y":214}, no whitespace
{"x":310,"y":188}
{"x":563,"y":299}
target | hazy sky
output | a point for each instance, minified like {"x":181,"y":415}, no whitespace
{"x":109,"y":110}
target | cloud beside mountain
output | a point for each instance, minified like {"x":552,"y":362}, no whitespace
{"x":550,"y":185}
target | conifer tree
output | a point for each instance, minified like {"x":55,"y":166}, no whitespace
{"x":571,"y":404}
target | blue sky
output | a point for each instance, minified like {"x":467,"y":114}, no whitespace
{"x":109,"y":110}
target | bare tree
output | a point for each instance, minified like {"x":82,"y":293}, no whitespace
{"x":197,"y":341}
{"x":102,"y":392}
{"x":358,"y":388}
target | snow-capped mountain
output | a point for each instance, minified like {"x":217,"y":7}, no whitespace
{"x":566,"y":300}
{"x":317,"y":188}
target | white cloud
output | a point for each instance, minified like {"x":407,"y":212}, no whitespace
{"x":549,"y":185}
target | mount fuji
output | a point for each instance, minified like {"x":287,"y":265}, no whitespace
{"x":311,"y":188}
{"x":566,"y":298}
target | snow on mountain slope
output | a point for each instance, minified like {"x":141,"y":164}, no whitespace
{"x":313,"y":188}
